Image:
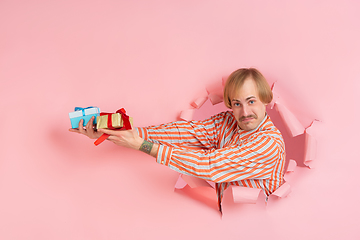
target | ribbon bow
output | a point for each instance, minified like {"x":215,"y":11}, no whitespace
{"x":126,"y":126}
{"x":82,"y":109}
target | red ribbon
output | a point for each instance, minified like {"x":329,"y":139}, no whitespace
{"x":126,"y":126}
{"x":101,"y":139}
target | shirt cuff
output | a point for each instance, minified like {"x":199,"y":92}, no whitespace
{"x":164,"y":155}
{"x":142,"y":132}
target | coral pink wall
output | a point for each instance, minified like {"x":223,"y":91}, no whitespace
{"x":154,"y":58}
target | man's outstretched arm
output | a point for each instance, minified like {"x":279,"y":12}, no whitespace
{"x":131,"y":139}
{"x":126,"y":138}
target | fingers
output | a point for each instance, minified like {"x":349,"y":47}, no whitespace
{"x":114,"y":136}
{"x":74,"y":130}
{"x":89,"y":125}
{"x":118,"y":140}
{"x":91,"y":130}
{"x":88,"y":130}
{"x":81,"y":127}
{"x":112,"y":139}
{"x":107,"y":131}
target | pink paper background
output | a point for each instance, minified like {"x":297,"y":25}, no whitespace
{"x":154,"y":58}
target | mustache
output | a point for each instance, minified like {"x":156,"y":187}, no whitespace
{"x":250,"y":116}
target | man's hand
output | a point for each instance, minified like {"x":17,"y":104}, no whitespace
{"x":124,"y":138}
{"x":89,"y":129}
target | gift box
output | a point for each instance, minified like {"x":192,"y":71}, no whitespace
{"x":113,"y":121}
{"x":85,"y":114}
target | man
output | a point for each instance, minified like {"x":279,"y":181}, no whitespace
{"x":240,"y":147}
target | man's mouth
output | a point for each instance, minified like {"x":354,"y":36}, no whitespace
{"x":247,"y":118}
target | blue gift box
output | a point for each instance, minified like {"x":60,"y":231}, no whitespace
{"x":83,"y":113}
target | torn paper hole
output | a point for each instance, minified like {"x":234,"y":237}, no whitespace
{"x":290,"y":121}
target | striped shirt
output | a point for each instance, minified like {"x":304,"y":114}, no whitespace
{"x":217,"y":150}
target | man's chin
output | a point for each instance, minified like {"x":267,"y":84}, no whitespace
{"x":247,"y":126}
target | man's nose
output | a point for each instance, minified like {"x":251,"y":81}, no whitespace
{"x":246,"y":110}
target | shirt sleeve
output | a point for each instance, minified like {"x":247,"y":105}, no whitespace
{"x":253,"y":160}
{"x":189,"y":134}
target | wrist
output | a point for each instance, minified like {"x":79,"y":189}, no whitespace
{"x":138,"y":142}
{"x":149,"y":148}
{"x":146,"y":146}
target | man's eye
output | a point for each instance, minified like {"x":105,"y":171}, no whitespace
{"x":251,"y":102}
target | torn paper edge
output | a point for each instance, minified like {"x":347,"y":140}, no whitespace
{"x":214,"y":94}
{"x":310,"y":144}
{"x":193,"y":182}
{"x":293,"y":126}
{"x":199,"y":102}
{"x":283,"y":191}
{"x":291,"y":166}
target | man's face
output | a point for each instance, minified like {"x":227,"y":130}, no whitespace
{"x":248,"y":110}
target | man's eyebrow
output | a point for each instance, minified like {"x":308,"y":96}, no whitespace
{"x":248,"y":98}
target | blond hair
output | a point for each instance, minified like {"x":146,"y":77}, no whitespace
{"x":237,"y":79}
